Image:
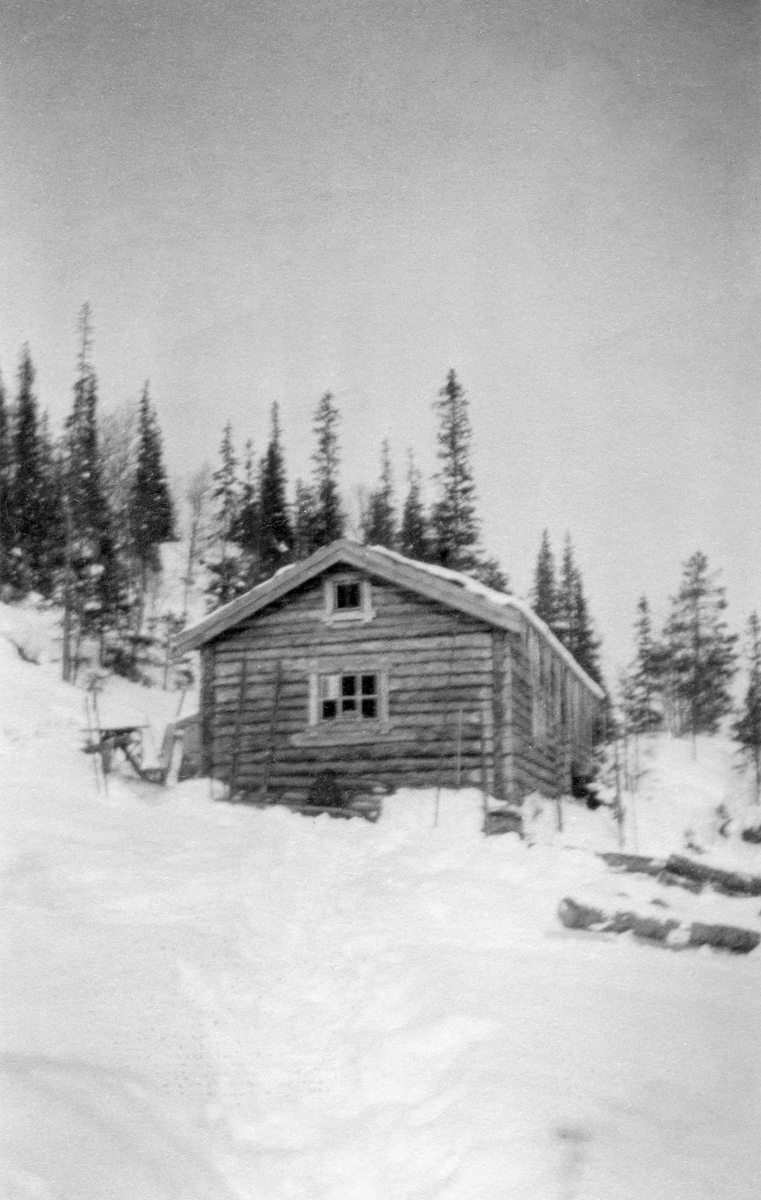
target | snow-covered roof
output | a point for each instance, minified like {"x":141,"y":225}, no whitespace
{"x":503,"y":600}
{"x":451,"y":588}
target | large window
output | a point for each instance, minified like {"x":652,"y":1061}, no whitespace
{"x":348,"y":700}
{"x":348,"y":697}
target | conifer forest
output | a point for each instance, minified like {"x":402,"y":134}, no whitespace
{"x":84,"y":510}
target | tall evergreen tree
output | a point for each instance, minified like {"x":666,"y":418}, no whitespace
{"x":151,"y":508}
{"x":413,"y":533}
{"x":6,"y":480}
{"x":52,"y":520}
{"x":92,"y":586}
{"x":277,"y":541}
{"x":453,"y":520}
{"x":28,"y":483}
{"x":645,"y":675}
{"x":84,"y":491}
{"x":565,"y":618}
{"x":747,"y":729}
{"x":247,"y":528}
{"x":304,"y":519}
{"x":587,"y":647}
{"x":329,"y":516}
{"x":223,"y":561}
{"x":701,"y":654}
{"x":573,"y":623}
{"x":544,"y":594}
{"x":379,"y":519}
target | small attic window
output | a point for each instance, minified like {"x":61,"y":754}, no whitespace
{"x":348,"y":595}
{"x":347,"y":598}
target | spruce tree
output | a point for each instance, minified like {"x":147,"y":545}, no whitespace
{"x":52,"y":520}
{"x":573,"y":623}
{"x":565,"y":612}
{"x":379,"y":518}
{"x":6,"y":480}
{"x":28,"y":483}
{"x":94,"y":588}
{"x":277,"y":540}
{"x":701,"y":654}
{"x":413,"y":531}
{"x":645,"y":675}
{"x":587,"y":646}
{"x":747,"y":729}
{"x":247,"y":526}
{"x":223,"y":562}
{"x":151,"y":508}
{"x":453,"y":520}
{"x":329,"y":517}
{"x":304,"y":518}
{"x":544,"y":594}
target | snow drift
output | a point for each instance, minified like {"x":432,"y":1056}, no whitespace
{"x":204,"y":1000}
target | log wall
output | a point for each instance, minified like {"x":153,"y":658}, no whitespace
{"x":466,"y":703}
{"x":552,"y":716}
{"x":438,"y":667}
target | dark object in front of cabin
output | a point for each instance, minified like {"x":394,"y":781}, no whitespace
{"x":506,"y":820}
{"x":752,"y":834}
{"x":325,"y":792}
{"x":582,"y":788}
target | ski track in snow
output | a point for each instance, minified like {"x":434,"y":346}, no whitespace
{"x":203,"y":1001}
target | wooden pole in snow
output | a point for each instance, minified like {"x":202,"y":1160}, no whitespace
{"x":237,"y":735}
{"x":273,"y":729}
{"x":92,"y":742}
{"x":619,"y":803}
{"x":458,"y":775}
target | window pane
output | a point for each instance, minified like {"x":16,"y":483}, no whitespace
{"x":349,"y":706}
{"x":348,"y":685}
{"x":329,"y":685}
{"x":348,"y":595}
{"x":328,"y":710}
{"x":369,"y":708}
{"x":368,"y":685}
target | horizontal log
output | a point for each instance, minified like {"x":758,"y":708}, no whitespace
{"x":351,"y":774}
{"x":724,"y":937}
{"x":581,"y":916}
{"x":639,"y":863}
{"x":312,"y":632}
{"x":297,"y":744}
{"x":310,"y":616}
{"x":419,"y":647}
{"x":731,"y":883}
{"x":404,"y":711}
{"x":676,"y":934}
{"x":390,"y":754}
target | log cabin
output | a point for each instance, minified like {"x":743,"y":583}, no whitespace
{"x":388,"y":673}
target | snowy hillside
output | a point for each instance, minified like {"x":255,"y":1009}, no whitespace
{"x":207,"y":1001}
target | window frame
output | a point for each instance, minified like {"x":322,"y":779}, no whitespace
{"x":339,"y":731}
{"x":348,"y":702}
{"x":332,"y":614}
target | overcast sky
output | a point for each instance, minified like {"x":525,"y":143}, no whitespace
{"x":264,"y":199}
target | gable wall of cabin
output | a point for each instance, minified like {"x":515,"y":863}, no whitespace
{"x":439,"y":672}
{"x":466,"y":702}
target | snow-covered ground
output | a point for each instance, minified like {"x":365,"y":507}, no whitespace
{"x":203,"y":1001}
